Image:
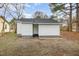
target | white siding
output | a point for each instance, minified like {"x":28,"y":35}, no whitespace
{"x":1,"y":26}
{"x":18,"y":28}
{"x":24,"y":29}
{"x":49,"y":30}
{"x":7,"y":29}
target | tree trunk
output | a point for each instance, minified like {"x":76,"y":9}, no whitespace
{"x":77,"y":17}
{"x":3,"y":29}
{"x":70,"y":21}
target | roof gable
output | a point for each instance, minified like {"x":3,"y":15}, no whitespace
{"x":4,"y":19}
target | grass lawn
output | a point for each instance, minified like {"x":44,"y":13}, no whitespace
{"x":10,"y":44}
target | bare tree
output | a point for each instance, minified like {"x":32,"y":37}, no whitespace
{"x":17,"y":12}
{"x":77,"y":17}
{"x":4,"y":14}
{"x":1,"y":5}
{"x":14,"y":10}
{"x":39,"y":14}
{"x":70,"y":20}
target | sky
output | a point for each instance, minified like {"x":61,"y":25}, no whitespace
{"x":32,"y":7}
{"x":29,"y":9}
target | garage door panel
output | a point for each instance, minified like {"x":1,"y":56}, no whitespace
{"x":26,"y":29}
{"x":48,"y":30}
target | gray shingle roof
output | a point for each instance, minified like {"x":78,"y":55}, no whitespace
{"x":38,"y":20}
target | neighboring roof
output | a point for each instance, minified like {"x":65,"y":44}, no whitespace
{"x":4,"y":19}
{"x":37,"y":21}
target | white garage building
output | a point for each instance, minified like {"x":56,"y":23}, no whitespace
{"x":38,"y":27}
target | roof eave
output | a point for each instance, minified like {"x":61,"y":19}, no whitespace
{"x":36,"y":23}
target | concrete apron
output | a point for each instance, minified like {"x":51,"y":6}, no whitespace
{"x":50,"y":37}
{"x":41,"y":37}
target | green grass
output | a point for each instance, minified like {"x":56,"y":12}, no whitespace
{"x":10,"y":44}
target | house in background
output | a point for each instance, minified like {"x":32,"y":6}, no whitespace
{"x":38,"y":27}
{"x":13,"y":25}
{"x":4,"y":25}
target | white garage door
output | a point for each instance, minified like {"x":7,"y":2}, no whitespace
{"x":26,"y":29}
{"x":49,"y":30}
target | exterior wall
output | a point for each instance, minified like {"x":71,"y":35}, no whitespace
{"x":7,"y":29}
{"x":49,"y":30}
{"x":24,"y":29}
{"x":12,"y":27}
{"x":1,"y":26}
{"x":5,"y":24}
{"x":43,"y":29}
{"x":18,"y":28}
